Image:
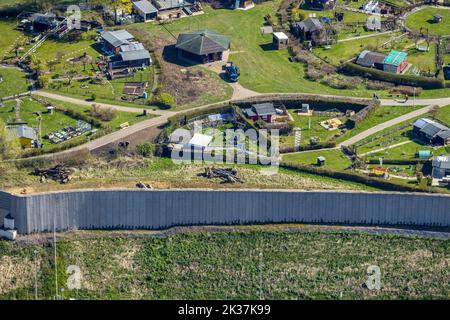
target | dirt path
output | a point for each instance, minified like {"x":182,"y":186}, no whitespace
{"x":367,"y":36}
{"x":386,"y":148}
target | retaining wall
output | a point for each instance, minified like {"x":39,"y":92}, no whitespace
{"x":157,"y":209}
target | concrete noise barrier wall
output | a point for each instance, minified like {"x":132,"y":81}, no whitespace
{"x":158,"y":209}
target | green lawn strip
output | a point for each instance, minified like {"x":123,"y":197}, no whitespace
{"x":424,"y":18}
{"x":321,"y":264}
{"x":121,"y":116}
{"x":335,"y":159}
{"x":8,"y":38}
{"x":14,"y":82}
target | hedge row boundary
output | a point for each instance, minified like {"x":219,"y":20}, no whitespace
{"x":354,"y":177}
{"x":353,"y":69}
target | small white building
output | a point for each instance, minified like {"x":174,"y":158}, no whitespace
{"x":280,"y":40}
{"x":200,"y":141}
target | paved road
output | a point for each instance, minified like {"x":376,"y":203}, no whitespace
{"x":385,"y":125}
{"x":419,"y":102}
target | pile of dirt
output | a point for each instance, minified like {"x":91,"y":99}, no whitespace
{"x":184,"y":81}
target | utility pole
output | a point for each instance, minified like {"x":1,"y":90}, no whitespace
{"x":56,"y":263}
{"x":35,"y":276}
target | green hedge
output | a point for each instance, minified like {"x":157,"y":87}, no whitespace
{"x":325,"y":145}
{"x":355,"y":177}
{"x":397,"y":161}
{"x":400,"y":79}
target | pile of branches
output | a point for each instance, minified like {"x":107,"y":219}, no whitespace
{"x":227,"y":175}
{"x":59,"y":173}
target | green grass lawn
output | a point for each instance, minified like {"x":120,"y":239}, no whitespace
{"x":335,"y":159}
{"x":423,"y":61}
{"x":14,"y":82}
{"x":262,"y":69}
{"x":50,"y":122}
{"x":251,"y":262}
{"x":345,"y":51}
{"x":8,"y":38}
{"x":424,"y":19}
{"x":121,"y":117}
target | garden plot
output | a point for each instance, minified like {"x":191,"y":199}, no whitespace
{"x":29,"y":113}
{"x":311,"y":128}
{"x":104,"y":90}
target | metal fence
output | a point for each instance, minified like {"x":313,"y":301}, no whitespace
{"x":158,"y":209}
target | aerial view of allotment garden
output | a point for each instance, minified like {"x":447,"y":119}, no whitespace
{"x":224,"y":149}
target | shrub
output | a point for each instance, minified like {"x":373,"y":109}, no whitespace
{"x":103,"y":114}
{"x":409,"y":90}
{"x":378,"y":85}
{"x":145,"y":149}
{"x":165,"y":100}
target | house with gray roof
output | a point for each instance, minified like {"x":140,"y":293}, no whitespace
{"x":264,"y":111}
{"x":371,"y":59}
{"x":310,"y":29}
{"x":163,"y":5}
{"x":145,"y":10}
{"x":43,"y":21}
{"x":113,"y":40}
{"x":127,"y":53}
{"x":202,"y":46}
{"x":441,"y":170}
{"x":135,"y":58}
{"x":25,"y":134}
{"x":431,"y":131}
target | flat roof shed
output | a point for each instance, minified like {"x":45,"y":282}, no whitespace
{"x":395,"y":58}
{"x":200,"y":141}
